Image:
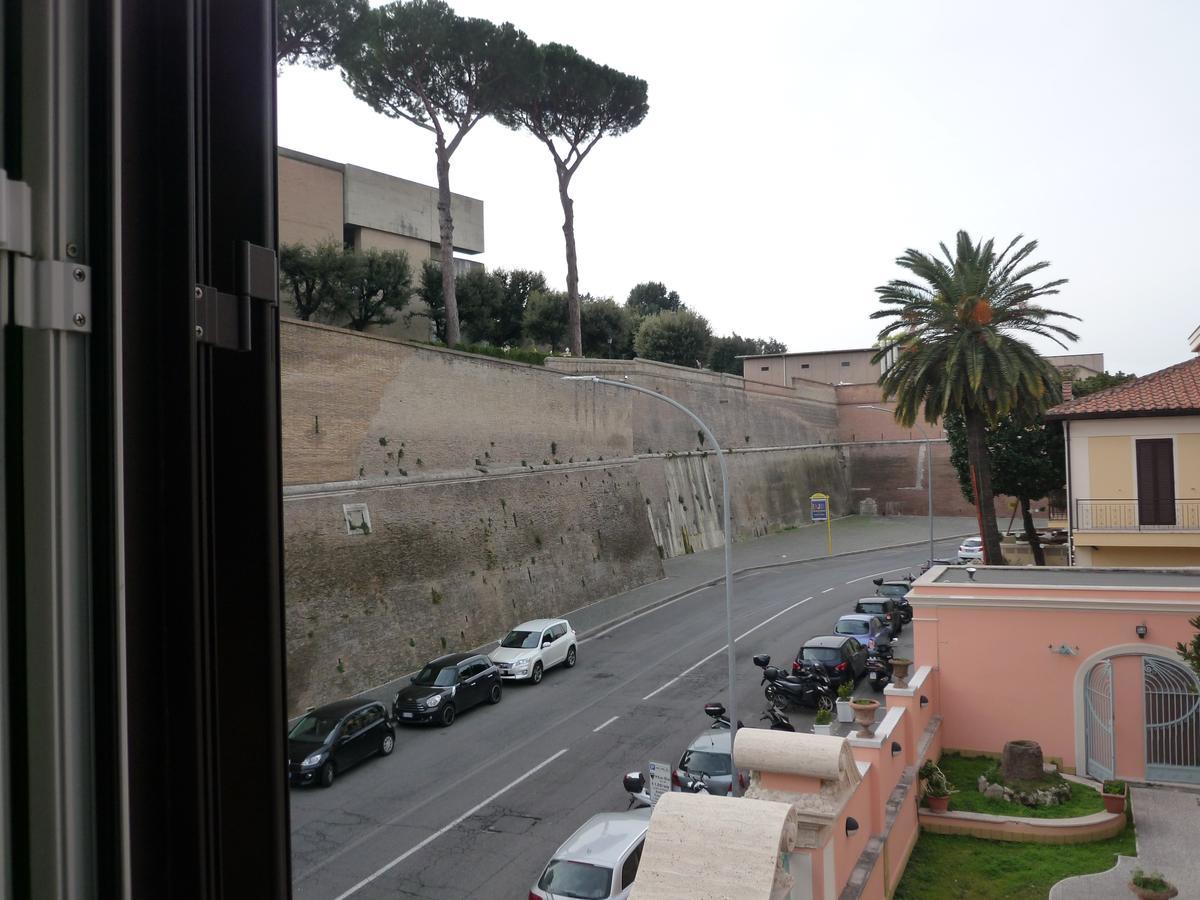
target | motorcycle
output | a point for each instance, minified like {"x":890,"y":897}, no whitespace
{"x":879,"y":667}
{"x":779,"y":722}
{"x":639,"y":795}
{"x":716,"y":711}
{"x":810,"y":687}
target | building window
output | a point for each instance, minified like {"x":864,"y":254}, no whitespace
{"x":846,"y":363}
{"x":804,"y":365}
{"x":1156,"y":482}
{"x":766,"y":368}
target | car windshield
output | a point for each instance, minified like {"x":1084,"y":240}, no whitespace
{"x":565,"y":878}
{"x":851,"y":626}
{"x":703,"y":762}
{"x":313,"y":727}
{"x":973,"y":542}
{"x":822,"y":654}
{"x":433,"y":676}
{"x":521,"y":640}
{"x":873,"y":608}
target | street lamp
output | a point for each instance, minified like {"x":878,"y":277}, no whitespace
{"x":595,"y":379}
{"x":928,"y":474}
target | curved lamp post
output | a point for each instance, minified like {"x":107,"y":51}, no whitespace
{"x":595,"y":379}
{"x":928,"y":473}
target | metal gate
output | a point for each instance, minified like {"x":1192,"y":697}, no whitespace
{"x":1098,"y":700}
{"x":1172,"y":721}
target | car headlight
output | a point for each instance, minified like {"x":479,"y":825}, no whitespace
{"x":431,"y":702}
{"x":314,"y":759}
{"x":521,"y":664}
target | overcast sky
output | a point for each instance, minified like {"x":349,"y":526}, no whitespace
{"x":793,"y":150}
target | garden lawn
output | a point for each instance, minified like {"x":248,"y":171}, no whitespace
{"x":964,"y":771}
{"x":948,"y":866}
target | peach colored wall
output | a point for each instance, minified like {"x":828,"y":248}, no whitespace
{"x":998,"y":679}
{"x":818,"y":872}
{"x":900,"y":842}
{"x":846,"y":850}
{"x":1129,"y":717}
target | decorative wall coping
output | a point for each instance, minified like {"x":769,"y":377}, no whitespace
{"x":915,"y":683}
{"x":883,"y":731}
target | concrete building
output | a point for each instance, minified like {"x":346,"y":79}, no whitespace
{"x":321,"y":200}
{"x":1133,"y":476}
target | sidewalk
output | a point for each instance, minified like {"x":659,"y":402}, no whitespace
{"x":1167,"y":822}
{"x":851,"y":534}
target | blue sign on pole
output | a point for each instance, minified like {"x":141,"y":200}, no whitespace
{"x":820,"y":509}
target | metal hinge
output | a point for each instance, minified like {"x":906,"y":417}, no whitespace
{"x":48,"y":294}
{"x":223,"y":320}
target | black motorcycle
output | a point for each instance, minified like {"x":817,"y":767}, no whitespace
{"x":779,"y":722}
{"x":903,"y":607}
{"x":879,"y":667}
{"x":809,"y":687}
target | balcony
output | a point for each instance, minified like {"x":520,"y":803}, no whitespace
{"x":1167,"y":514}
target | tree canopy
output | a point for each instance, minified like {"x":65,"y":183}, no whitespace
{"x":313,"y":279}
{"x":1100,"y":382}
{"x":652,"y":297}
{"x":491,"y":305}
{"x":378,"y":284}
{"x":724,"y":351}
{"x":546,"y":319}
{"x":680,"y":337}
{"x":607,"y":329}
{"x":310,"y":31}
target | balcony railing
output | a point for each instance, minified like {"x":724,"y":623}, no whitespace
{"x":1168,"y":514}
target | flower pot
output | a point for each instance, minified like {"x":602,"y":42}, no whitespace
{"x":864,"y":714}
{"x":1114,"y":803}
{"x":900,"y":668}
{"x":1147,"y":894}
{"x":844,"y":713}
{"x":937,"y":804}
{"x":823,"y":729}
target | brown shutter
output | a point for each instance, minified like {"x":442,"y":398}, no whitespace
{"x":1156,"y":482}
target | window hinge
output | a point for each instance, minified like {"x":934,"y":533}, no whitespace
{"x":48,"y":294}
{"x":223,"y":320}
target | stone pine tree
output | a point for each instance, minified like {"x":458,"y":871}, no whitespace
{"x":577,"y":103}
{"x":420,"y":62}
{"x":309,"y":31}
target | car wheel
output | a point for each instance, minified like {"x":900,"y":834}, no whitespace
{"x":536,"y":677}
{"x":325,"y":776}
{"x":387,"y":745}
{"x":494,"y":694}
{"x":571,"y":658}
{"x":446,"y":719}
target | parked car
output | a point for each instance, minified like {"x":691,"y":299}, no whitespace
{"x":447,"y":686}
{"x":708,"y":758}
{"x":843,"y":657}
{"x":868,"y":629}
{"x":598,"y":861}
{"x":330,"y":739}
{"x":533,"y":647}
{"x":898,"y":591}
{"x":971,"y":550}
{"x":930,"y":563}
{"x":884,"y":608}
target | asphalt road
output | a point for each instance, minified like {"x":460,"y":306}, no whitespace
{"x":477,"y":809}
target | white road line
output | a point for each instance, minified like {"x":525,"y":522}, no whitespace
{"x":605,"y":725}
{"x":437,"y":834}
{"x":827,"y":590}
{"x":722,"y":649}
{"x":877,"y":574}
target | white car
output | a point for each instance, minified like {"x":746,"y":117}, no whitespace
{"x":533,"y":647}
{"x":971,"y":550}
{"x":600,"y":860}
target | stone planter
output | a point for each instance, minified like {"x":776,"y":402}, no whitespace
{"x":900,"y":667}
{"x":823,"y":729}
{"x":864,"y":714}
{"x":937,"y":804}
{"x":1147,"y":894}
{"x":844,"y":713}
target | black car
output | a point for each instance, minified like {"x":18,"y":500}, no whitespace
{"x":332,"y":738}
{"x":843,"y":657}
{"x":885,"y":608}
{"x":447,"y":686}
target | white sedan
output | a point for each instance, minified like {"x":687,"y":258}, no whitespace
{"x":971,"y":550}
{"x":533,"y":647}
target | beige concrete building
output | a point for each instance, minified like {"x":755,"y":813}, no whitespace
{"x":322,"y":200}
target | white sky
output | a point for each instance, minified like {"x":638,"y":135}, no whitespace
{"x":793,"y":150}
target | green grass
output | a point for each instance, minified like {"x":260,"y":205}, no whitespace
{"x":963,"y":772}
{"x":948,"y":866}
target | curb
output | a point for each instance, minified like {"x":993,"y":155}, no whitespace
{"x":679,"y":595}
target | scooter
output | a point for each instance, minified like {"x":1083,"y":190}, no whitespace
{"x":779,"y":722}
{"x":639,"y":795}
{"x":879,"y":667}
{"x":810,"y":687}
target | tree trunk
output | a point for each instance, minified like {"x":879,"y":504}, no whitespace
{"x":446,"y":230}
{"x":1035,"y":544}
{"x":574,"y":334}
{"x":981,"y":481}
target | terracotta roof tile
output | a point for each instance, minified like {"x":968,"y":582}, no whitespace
{"x":1173,"y":391}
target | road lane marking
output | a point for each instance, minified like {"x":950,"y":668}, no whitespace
{"x":437,"y":834}
{"x":827,"y":590}
{"x":605,"y":725}
{"x":723,"y":648}
{"x":877,"y":574}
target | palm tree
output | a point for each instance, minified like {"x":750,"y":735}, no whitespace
{"x":953,"y":348}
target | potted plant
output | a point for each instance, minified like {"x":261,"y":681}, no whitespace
{"x":936,"y":787}
{"x":1113,"y":794}
{"x":844,"y":712}
{"x":823,"y":723}
{"x":900,"y":667}
{"x":864,"y":713}
{"x":1152,"y":887}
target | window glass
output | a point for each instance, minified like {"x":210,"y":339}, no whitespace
{"x":821,"y":654}
{"x":559,"y":631}
{"x":433,"y":676}
{"x":371,"y":716}
{"x":705,"y":762}
{"x":521,"y":640}
{"x":851,"y":626}
{"x":582,"y":881}
{"x":313,"y":728}
{"x":853,"y":646}
{"x":352,"y":727}
{"x":630,"y":866}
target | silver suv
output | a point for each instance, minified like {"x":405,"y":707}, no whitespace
{"x":598,"y":861}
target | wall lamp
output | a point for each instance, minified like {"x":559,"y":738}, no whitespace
{"x":924,"y":700}
{"x":1063,"y":650}
{"x":1141,"y":631}
{"x":971,"y":572}
{"x":851,"y":825}
{"x":896,"y":748}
